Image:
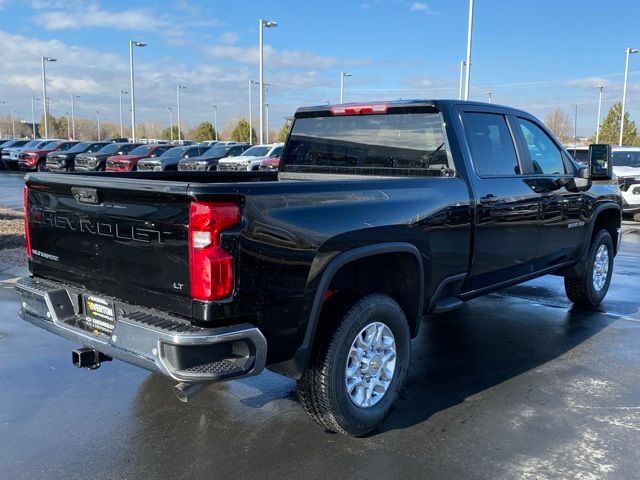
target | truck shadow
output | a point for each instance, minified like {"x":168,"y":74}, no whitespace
{"x":487,"y":342}
{"x":456,"y":356}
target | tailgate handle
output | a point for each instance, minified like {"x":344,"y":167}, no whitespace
{"x":85,"y":195}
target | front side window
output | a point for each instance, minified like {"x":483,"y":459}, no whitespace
{"x":374,"y":144}
{"x":491,"y":144}
{"x":546,"y":157}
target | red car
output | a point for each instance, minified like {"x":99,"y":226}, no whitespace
{"x":128,"y":163}
{"x":269,"y":164}
{"x":37,"y":159}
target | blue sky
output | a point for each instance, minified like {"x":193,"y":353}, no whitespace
{"x":533,"y":55}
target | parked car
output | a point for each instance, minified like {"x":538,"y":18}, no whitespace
{"x":380,"y":214}
{"x":128,"y":162}
{"x":117,"y":140}
{"x":626,"y":166}
{"x":36,"y":159}
{"x":250,"y":158}
{"x":169,"y":159}
{"x":209,"y":143}
{"x":208,"y":161}
{"x":65,"y":161}
{"x":269,"y":164}
{"x":10,"y":154}
{"x":5,"y":153}
{"x":97,"y":161}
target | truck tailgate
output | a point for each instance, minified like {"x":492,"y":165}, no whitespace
{"x":122,"y":237}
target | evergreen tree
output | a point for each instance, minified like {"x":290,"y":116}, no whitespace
{"x":204,"y":131}
{"x":283,"y":132}
{"x":610,"y":128}
{"x":240,"y":132}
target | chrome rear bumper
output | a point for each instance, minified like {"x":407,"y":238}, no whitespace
{"x":163,"y":344}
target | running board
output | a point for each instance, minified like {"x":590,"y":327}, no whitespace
{"x":446,"y":304}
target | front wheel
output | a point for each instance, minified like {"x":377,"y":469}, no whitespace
{"x":591,"y":287}
{"x":42,"y":167}
{"x":359,"y":365}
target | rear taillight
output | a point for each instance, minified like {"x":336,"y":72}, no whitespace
{"x":210,"y":266}
{"x":368,"y":109}
{"x":27,"y":236}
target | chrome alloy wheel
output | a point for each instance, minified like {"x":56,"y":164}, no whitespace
{"x":600,"y":267}
{"x":371,"y":365}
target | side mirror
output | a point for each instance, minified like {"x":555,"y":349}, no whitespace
{"x":600,"y":166}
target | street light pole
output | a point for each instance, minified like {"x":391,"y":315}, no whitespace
{"x":121,"y":128}
{"x":600,"y":87}
{"x":44,"y":94}
{"x":215,"y":121}
{"x":132,"y":88}
{"x":624,"y":90}
{"x":468,"y":61}
{"x":267,"y":24}
{"x":68,"y":126}
{"x":266,"y":111}
{"x":461,"y":86}
{"x":98,"y":115}
{"x":170,"y":122}
{"x":33,"y":117}
{"x":178,"y":88}
{"x":488,"y":93}
{"x":13,"y":123}
{"x":73,"y":114}
{"x":342,"y":77}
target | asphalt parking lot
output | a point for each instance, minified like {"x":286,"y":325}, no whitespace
{"x":515,"y":385}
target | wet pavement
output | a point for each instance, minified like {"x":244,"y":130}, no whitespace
{"x":515,"y":385}
{"x":11,"y":189}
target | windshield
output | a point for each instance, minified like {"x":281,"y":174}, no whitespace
{"x":257,"y":151}
{"x":111,"y":148}
{"x":174,"y":152}
{"x":34,"y":143}
{"x":141,"y":150}
{"x":93,"y":147}
{"x":626,"y":159}
{"x":366,"y":142}
{"x":216,"y":151}
{"x":49,"y":145}
{"x":79,"y":147}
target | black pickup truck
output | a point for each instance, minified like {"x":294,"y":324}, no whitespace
{"x":381,"y":214}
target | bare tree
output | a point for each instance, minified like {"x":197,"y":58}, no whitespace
{"x":560,"y":124}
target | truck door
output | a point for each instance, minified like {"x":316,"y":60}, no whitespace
{"x":507,"y":207}
{"x":562,"y":230}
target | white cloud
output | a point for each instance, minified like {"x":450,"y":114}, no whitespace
{"x":422,"y":7}
{"x":277,"y":59}
{"x":229,"y":37}
{"x":93,"y":16}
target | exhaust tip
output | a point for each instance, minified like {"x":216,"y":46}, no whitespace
{"x":185,"y":391}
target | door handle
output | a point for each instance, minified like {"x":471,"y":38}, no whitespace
{"x":488,"y":199}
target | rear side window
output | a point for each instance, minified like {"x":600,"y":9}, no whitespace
{"x":546,"y":157}
{"x":374,"y":144}
{"x":491,"y":144}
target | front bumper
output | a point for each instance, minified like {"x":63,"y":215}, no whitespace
{"x":149,"y":339}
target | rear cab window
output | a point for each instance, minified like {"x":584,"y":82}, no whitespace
{"x":493,"y":152}
{"x":406,"y":143}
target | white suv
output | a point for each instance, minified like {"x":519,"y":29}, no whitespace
{"x":251,"y":158}
{"x":626,"y":166}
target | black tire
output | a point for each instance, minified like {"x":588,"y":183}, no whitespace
{"x":581,"y":290}
{"x":322,"y":390}
{"x":41,"y":167}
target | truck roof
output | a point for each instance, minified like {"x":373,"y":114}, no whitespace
{"x":436,"y":104}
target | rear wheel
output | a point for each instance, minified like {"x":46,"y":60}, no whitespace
{"x":591,"y":287}
{"x":359,"y":365}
